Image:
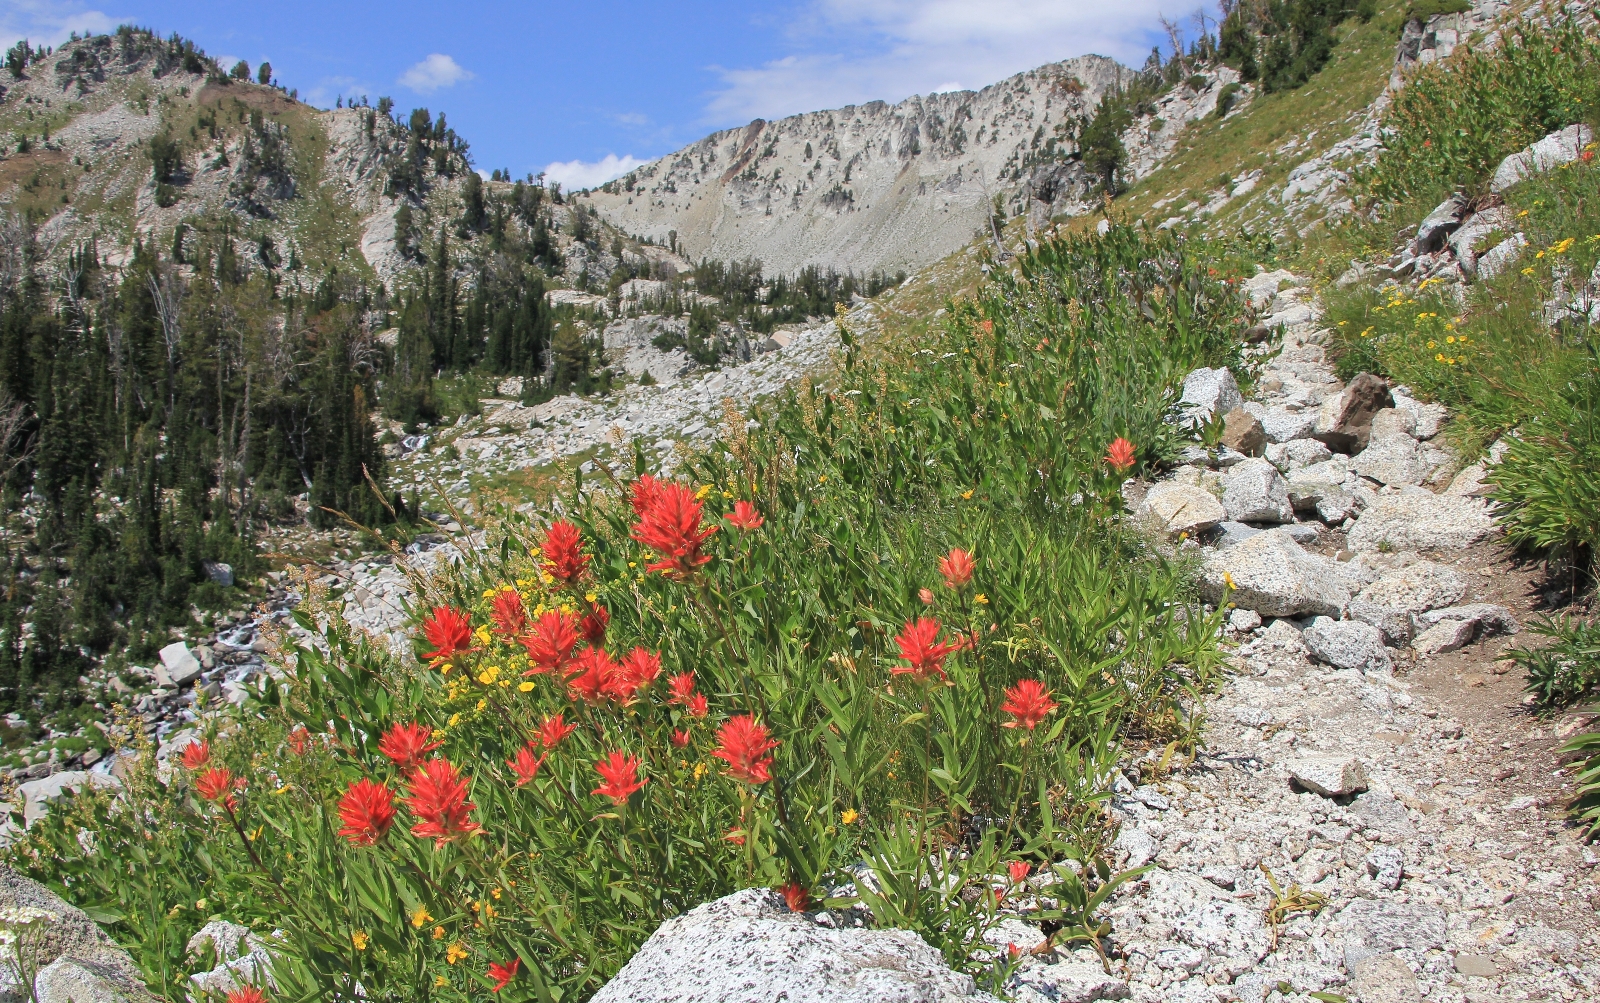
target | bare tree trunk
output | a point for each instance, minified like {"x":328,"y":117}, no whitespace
{"x":166,"y":288}
{"x":1175,"y":37}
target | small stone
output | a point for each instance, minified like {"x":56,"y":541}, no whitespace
{"x":1487,"y":616}
{"x":1348,"y":644}
{"x":1181,"y":508}
{"x":1480,"y":965}
{"x":1384,"y":978}
{"x":1244,"y":620}
{"x":1445,"y":636}
{"x":1255,"y":492}
{"x":1243,"y":432}
{"x":1234,"y":533}
{"x":1065,"y":982}
{"x":1386,"y":865}
{"x":1221,"y":875}
{"x":1329,"y":776}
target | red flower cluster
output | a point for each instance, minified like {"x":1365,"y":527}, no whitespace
{"x":406,"y":744}
{"x":1120,"y":454}
{"x":247,"y":994}
{"x":744,"y":516}
{"x":503,"y":974}
{"x":551,"y":643}
{"x":1028,"y":702}
{"x":564,"y":559}
{"x":510,"y":618}
{"x":526,"y":765}
{"x":620,"y":774}
{"x":956,"y":568}
{"x":591,"y":674}
{"x":1020,"y":869}
{"x":553,"y":730}
{"x":196,"y":756}
{"x":680,"y":738}
{"x":593,"y":627}
{"x":218,"y":784}
{"x":669,"y":524}
{"x":367,"y":811}
{"x":923,"y":651}
{"x":450,"y":633}
{"x":439,"y":799}
{"x":795,"y":896}
{"x":743,"y":745}
{"x":299,"y":740}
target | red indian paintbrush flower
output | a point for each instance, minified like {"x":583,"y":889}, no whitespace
{"x":670,"y":526}
{"x":638,"y":669}
{"x":450,"y":633}
{"x":926,"y":595}
{"x":1028,"y":702}
{"x":299,"y":740}
{"x":551,"y":643}
{"x":510,"y":618}
{"x":1020,"y":869}
{"x":956,"y":568}
{"x":593,"y":627}
{"x":247,"y":994}
{"x":743,"y":745}
{"x":367,"y":811}
{"x":406,"y":744}
{"x":526,"y":765}
{"x":218,"y":784}
{"x":621,"y":776}
{"x":680,"y":738}
{"x":439,"y":798}
{"x":682,"y":687}
{"x":645,"y":490}
{"x":503,"y":974}
{"x":744,"y":516}
{"x":696,"y":705}
{"x":564,"y":559}
{"x":796,"y":896}
{"x":1120,"y":454}
{"x":553,"y":730}
{"x":196,"y":756}
{"x":920,"y":647}
{"x":593,"y":672}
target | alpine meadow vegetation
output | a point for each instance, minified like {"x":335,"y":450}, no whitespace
{"x":882,"y":645}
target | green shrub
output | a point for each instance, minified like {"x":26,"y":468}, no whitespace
{"x":1421,"y":10}
{"x":1226,"y":98}
{"x":1566,"y":670}
{"x":1585,"y":805}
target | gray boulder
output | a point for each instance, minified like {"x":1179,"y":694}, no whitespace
{"x":1446,"y":635}
{"x":1207,"y":393}
{"x":1309,"y":484}
{"x":1272,"y":575}
{"x":1501,"y":256}
{"x":1181,"y":508}
{"x":1560,"y":147}
{"x":749,"y":948}
{"x":1421,"y":521}
{"x":1287,"y":456}
{"x":1486,"y":615}
{"x":1384,"y":978}
{"x":1396,"y":460}
{"x":38,"y":795}
{"x":178,"y":665}
{"x":1065,"y":982}
{"x":1390,"y":602}
{"x":75,"y":960}
{"x":1348,"y":644}
{"x":1438,"y":225}
{"x":1255,"y":492}
{"x":1426,"y":419}
{"x":1281,"y":424}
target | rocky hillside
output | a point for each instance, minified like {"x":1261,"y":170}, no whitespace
{"x":882,"y":187}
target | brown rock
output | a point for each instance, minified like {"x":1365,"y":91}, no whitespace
{"x":1243,"y":432}
{"x":1345,"y":423}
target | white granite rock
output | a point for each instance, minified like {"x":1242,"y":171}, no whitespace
{"x":1181,"y":508}
{"x":1348,"y":644}
{"x":1255,"y":492}
{"x":1274,"y":576}
{"x":1329,"y":776}
{"x":1421,"y":521}
{"x":178,"y":665}
{"x":1064,"y":982}
{"x":1560,"y":147}
{"x":1394,"y":459}
{"x":1207,"y":393}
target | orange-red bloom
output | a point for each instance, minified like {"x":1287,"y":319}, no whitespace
{"x":645,"y":490}
{"x":526,"y":765}
{"x":744,"y":516}
{"x":796,"y":896}
{"x":669,"y":524}
{"x":196,"y":756}
{"x":450,"y":633}
{"x":299,"y":740}
{"x":367,"y":811}
{"x":551,"y":643}
{"x":406,"y":744}
{"x":956,"y":568}
{"x":593,"y":672}
{"x":553,"y":730}
{"x":920,"y":647}
{"x":620,"y":774}
{"x":743,"y":745}
{"x":1120,"y":454}
{"x":638,"y":669}
{"x":696,"y":705}
{"x":439,"y":799}
{"x":564,"y":559}
{"x":680,"y":738}
{"x":926,"y":595}
{"x":503,"y":974}
{"x":1020,"y":869}
{"x":593,"y":627}
{"x":218,"y":784}
{"x":247,"y":994}
{"x":1028,"y":702}
{"x":681,"y":687}
{"x":509,"y":615}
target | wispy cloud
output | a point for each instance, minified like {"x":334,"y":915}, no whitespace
{"x":433,"y":73}
{"x":581,"y":174}
{"x":50,"y":22}
{"x":851,"y":51}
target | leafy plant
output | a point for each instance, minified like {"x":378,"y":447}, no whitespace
{"x":1585,"y":805}
{"x":1565,"y":671}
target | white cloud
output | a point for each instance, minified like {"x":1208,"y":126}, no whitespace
{"x":437,"y":71}
{"x":852,"y":51}
{"x":49,"y":22}
{"x":576,"y":174}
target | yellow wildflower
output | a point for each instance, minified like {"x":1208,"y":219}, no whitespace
{"x":981,"y":599}
{"x":455,"y":719}
{"x":360,"y":940}
{"x":705,"y":489}
{"x":525,"y":687}
{"x":438,"y":933}
{"x":1433,"y":344}
{"x":1527,"y":271}
{"x":489,"y":675}
{"x":420,"y":918}
{"x":482,"y":634}
{"x":966,"y":495}
{"x":1227,"y":580}
{"x":454,"y":953}
{"x":1439,"y":357}
{"x":439,"y":981}
{"x":849,"y":816}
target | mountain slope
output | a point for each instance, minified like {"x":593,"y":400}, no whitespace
{"x":880,"y":186}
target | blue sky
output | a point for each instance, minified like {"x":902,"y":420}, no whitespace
{"x":588,"y":90}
